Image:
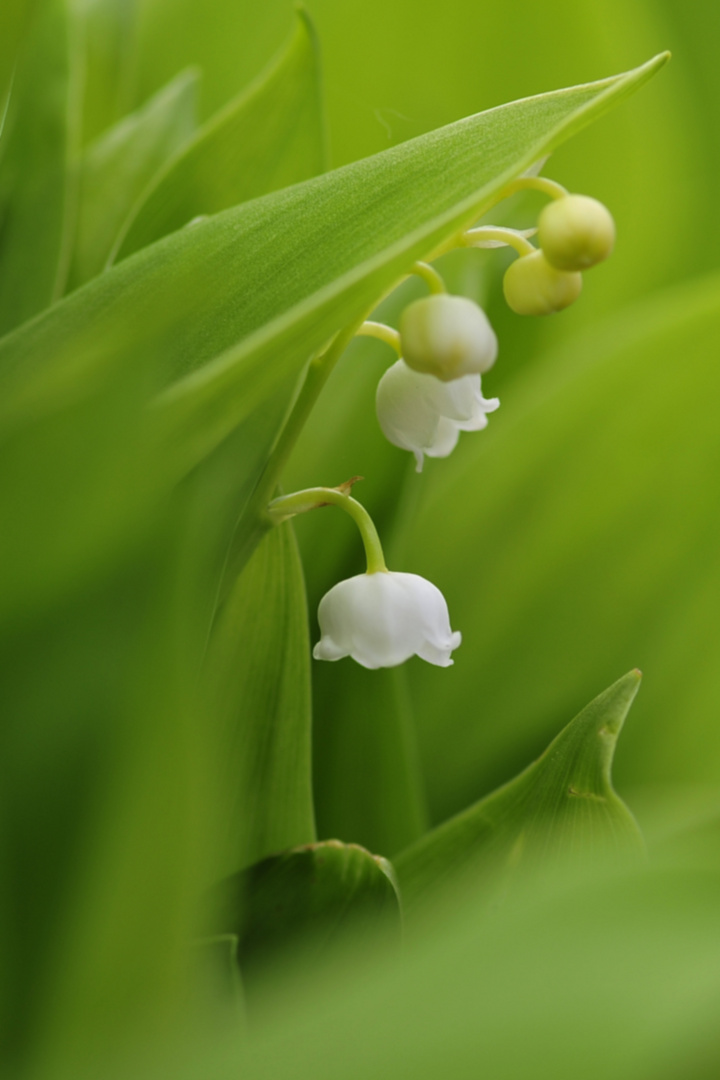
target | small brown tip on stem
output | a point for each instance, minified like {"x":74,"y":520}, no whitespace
{"x":347,"y":486}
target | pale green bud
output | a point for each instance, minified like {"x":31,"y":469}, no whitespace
{"x":533,"y":287}
{"x":576,"y":232}
{"x":448,"y":337}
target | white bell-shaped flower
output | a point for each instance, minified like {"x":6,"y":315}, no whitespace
{"x":424,"y":415}
{"x":383,"y":619}
{"x":447,"y":336}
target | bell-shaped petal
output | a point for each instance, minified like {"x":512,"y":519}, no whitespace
{"x":383,"y":619}
{"x":424,"y":415}
{"x":448,"y":337}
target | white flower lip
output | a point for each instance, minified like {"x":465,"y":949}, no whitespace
{"x":420,"y":413}
{"x":383,"y":619}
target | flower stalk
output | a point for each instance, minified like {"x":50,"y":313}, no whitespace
{"x":498,"y":234}
{"x":300,"y":502}
{"x":382,"y":332}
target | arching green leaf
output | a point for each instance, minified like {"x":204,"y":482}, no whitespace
{"x":39,"y":167}
{"x":564,"y":801}
{"x":346,"y":238}
{"x":120,"y":164}
{"x":269,"y":137}
{"x":311,"y":898}
{"x":14,"y":18}
{"x":258,"y":674}
{"x":110,"y":30}
{"x":367,"y":778}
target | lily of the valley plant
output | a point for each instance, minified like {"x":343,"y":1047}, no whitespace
{"x":426,"y":398}
{"x":223,"y":858}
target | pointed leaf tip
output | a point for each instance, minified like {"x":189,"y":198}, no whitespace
{"x":613,"y":704}
{"x":564,"y":801}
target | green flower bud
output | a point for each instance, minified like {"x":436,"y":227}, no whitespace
{"x":448,"y":337}
{"x":576,"y":232}
{"x":533,"y":287}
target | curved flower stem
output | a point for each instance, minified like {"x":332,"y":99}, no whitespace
{"x":382,"y":332}
{"x":511,"y":237}
{"x":286,"y":506}
{"x":391,"y":337}
{"x":535,"y":183}
{"x":430,"y":276}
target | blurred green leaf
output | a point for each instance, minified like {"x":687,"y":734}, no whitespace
{"x":39,"y":167}
{"x":589,"y":544}
{"x":110,"y":31}
{"x":117,"y":168}
{"x":563,"y":802}
{"x":367,"y":777}
{"x":311,"y":898}
{"x":219,"y":956}
{"x":602,"y":973}
{"x":269,"y":137}
{"x":14,"y":18}
{"x":108,"y":586}
{"x":228,"y":39}
{"x":109,"y":819}
{"x":258,"y":676}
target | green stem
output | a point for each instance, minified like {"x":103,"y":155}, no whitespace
{"x":287,"y":506}
{"x":382,"y":333}
{"x":535,"y":183}
{"x":505,"y":236}
{"x":255,"y":515}
{"x":430,"y":276}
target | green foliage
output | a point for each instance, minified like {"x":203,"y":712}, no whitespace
{"x":364,"y":729}
{"x":37,"y":179}
{"x":156,"y":635}
{"x":258,"y":675}
{"x":269,"y":137}
{"x":564,"y":801}
{"x":593,"y":541}
{"x":117,"y":168}
{"x":14,"y":19}
{"x":610,"y":974}
{"x":309,"y":901}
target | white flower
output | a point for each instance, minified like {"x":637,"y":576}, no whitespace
{"x":424,"y":415}
{"x":447,"y":336}
{"x":383,"y":619}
